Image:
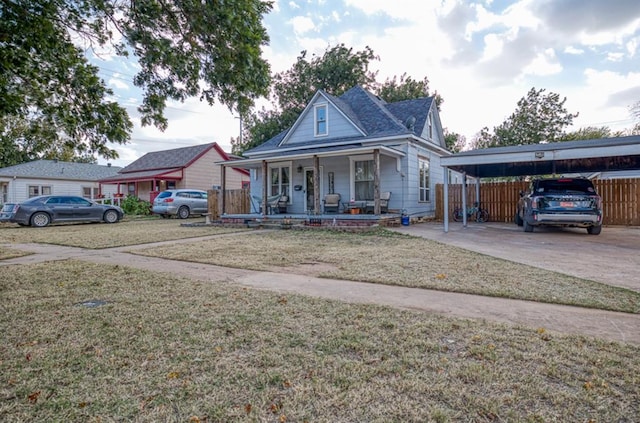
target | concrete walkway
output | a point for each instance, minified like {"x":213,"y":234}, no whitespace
{"x":562,"y":319}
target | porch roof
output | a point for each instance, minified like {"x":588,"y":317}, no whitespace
{"x":145,"y":175}
{"x":312,"y":152}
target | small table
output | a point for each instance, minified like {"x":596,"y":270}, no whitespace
{"x":354,"y":207}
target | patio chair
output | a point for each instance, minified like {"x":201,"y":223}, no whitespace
{"x":384,"y":203}
{"x":272,"y":203}
{"x":280,"y":205}
{"x":331,"y":203}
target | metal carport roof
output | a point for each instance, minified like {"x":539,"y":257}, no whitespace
{"x":586,"y":156}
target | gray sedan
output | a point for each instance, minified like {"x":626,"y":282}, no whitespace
{"x":46,"y":209}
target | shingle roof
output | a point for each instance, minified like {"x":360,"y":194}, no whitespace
{"x":375,"y":117}
{"x":174,"y":158}
{"x":54,"y":169}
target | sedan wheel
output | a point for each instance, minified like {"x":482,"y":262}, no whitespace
{"x":594,"y":230}
{"x":40,"y":219}
{"x":183,"y":212}
{"x":111,"y":216}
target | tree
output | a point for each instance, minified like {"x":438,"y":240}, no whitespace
{"x":454,"y":141}
{"x":336,"y":71}
{"x":588,"y":133}
{"x":393,"y":90}
{"x":538,"y":118}
{"x":184,"y":48}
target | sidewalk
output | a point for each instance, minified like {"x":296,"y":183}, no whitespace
{"x":562,"y":319}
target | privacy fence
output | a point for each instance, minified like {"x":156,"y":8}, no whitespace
{"x":237,"y":201}
{"x":620,"y":199}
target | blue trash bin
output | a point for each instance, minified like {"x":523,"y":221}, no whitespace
{"x":405,"y":220}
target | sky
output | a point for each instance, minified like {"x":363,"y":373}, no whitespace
{"x":481,"y":56}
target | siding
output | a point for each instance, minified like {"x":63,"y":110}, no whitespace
{"x":338,"y":126}
{"x":18,"y":189}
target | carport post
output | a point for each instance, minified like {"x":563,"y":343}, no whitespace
{"x":464,"y":200}
{"x":446,"y":199}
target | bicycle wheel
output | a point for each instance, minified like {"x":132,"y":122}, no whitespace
{"x":457,"y":215}
{"x":482,"y":216}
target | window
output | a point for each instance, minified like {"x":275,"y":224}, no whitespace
{"x":423,"y":165}
{"x":321,"y":120}
{"x":89,"y":192}
{"x":430,"y":126}
{"x":363,"y":180}
{"x":4,"y":195}
{"x":36,"y":190}
{"x":280,"y":180}
{"x":131,"y":189}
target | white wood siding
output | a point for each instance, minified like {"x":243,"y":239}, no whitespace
{"x":18,"y":189}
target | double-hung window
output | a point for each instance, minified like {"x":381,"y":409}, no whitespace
{"x":363,"y":180}
{"x":280,"y":180}
{"x":423,"y":168}
{"x":321,"y":120}
{"x":36,"y":190}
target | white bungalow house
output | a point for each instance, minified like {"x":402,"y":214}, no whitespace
{"x":358,"y":146}
{"x":40,"y":177}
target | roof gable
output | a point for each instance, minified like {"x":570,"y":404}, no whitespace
{"x":370,"y":117}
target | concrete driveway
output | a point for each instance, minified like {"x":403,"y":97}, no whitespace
{"x":613,"y":257}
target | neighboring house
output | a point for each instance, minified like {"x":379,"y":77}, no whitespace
{"x":188,"y":167}
{"x":358,"y":146}
{"x":40,"y":177}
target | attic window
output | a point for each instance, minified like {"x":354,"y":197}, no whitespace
{"x":321,"y":120}
{"x":430,"y":124}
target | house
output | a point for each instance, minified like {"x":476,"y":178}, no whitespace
{"x":187,"y":167}
{"x":40,"y":177}
{"x":358,"y":146}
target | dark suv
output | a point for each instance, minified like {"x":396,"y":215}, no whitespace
{"x":570,"y":202}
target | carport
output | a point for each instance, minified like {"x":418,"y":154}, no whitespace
{"x":570,"y":157}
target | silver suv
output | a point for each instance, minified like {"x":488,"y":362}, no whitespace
{"x":180,"y":202}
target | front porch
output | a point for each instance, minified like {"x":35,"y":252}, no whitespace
{"x":326,"y":220}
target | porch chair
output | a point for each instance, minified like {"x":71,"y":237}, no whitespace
{"x":281,"y":204}
{"x":384,"y":203}
{"x":331,"y":203}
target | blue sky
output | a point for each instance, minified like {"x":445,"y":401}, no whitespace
{"x":480,"y":56}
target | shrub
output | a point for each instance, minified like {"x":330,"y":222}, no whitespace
{"x":135,"y":206}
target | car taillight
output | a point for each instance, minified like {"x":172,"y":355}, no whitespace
{"x":169,"y":200}
{"x":598,"y":202}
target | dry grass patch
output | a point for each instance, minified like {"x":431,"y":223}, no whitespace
{"x":102,"y":235}
{"x":170,"y":349}
{"x":9,"y":253}
{"x":390,"y":258}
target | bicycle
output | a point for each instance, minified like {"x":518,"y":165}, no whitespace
{"x":481,"y":215}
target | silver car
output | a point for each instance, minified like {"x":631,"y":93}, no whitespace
{"x":43,"y":210}
{"x":180,"y":202}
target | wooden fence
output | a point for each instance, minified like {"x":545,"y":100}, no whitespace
{"x":620,"y":199}
{"x":237,"y":201}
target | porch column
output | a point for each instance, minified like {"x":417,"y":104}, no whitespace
{"x":223,"y":180}
{"x":265,"y":170}
{"x":376,"y":181}
{"x":316,"y":184}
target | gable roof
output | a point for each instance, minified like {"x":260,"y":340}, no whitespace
{"x":172,"y":159}
{"x":55,"y":169}
{"x":374,"y":117}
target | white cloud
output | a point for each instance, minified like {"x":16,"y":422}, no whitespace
{"x":301,"y":25}
{"x":118,"y":83}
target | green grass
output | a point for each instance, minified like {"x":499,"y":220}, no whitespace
{"x":171,"y":349}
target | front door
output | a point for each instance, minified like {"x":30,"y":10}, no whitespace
{"x":310,"y":189}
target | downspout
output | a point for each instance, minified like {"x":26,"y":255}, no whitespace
{"x":446,"y":200}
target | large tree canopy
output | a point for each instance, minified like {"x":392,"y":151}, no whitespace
{"x":538,"y":118}
{"x":336,"y":71}
{"x":51,"y":98}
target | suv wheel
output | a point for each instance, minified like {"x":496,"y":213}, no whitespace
{"x":527,"y":227}
{"x":183,"y":212}
{"x":518,"y":219}
{"x":594,"y":230}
